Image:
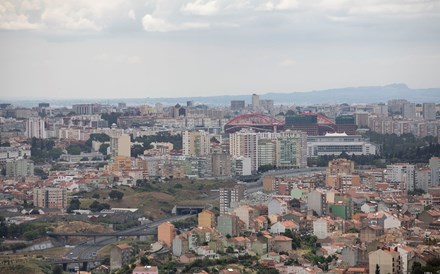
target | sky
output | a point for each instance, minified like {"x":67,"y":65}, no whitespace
{"x":174,"y":48}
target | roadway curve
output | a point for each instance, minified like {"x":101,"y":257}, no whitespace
{"x":85,"y":249}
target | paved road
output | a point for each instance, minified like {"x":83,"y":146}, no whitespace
{"x":86,"y":249}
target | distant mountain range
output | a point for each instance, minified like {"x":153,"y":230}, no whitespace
{"x":350,"y":95}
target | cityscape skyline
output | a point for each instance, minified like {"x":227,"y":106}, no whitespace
{"x":97,"y":49}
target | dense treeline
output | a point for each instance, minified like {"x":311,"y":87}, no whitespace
{"x":77,"y":148}
{"x":406,"y":147}
{"x":27,"y":231}
{"x":43,"y":150}
{"x":176,"y":140}
{"x":111,"y":118}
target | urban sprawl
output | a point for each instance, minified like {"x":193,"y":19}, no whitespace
{"x":253,"y":187}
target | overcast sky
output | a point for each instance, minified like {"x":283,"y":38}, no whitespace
{"x":171,"y":48}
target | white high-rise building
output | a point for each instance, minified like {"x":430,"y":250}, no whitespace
{"x":195,"y":143}
{"x":244,"y":143}
{"x":403,"y":174}
{"x":35,"y":127}
{"x":120,"y":145}
{"x":429,"y":112}
{"x":286,"y":149}
{"x":229,"y":197}
{"x":434,"y":165}
{"x":255,"y":102}
{"x":409,"y":110}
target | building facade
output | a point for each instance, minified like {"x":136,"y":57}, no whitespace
{"x":50,"y":197}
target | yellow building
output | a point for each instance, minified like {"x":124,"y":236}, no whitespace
{"x":120,"y":163}
{"x":166,"y":233}
{"x":206,"y":218}
{"x":343,"y":181}
{"x":339,"y":175}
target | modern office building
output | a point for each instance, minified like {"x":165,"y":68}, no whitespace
{"x":337,"y":143}
{"x":291,"y":149}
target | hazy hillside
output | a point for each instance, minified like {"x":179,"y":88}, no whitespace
{"x":349,"y":95}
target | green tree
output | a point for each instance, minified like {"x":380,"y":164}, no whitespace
{"x":74,"y":205}
{"x":100,"y":137}
{"x":96,"y":206}
{"x":137,"y":150}
{"x":41,"y":173}
{"x":95,"y":196}
{"x":57,"y":269}
{"x":144,"y":261}
{"x":116,"y":195}
{"x":417,"y":268}
{"x":103,"y":148}
{"x":111,"y":118}
{"x":76,"y":149}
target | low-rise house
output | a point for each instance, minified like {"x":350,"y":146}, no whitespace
{"x":277,"y":206}
{"x":259,"y":246}
{"x":297,"y":217}
{"x":354,"y":255}
{"x":187,"y":258}
{"x":180,"y":245}
{"x":146,"y":270}
{"x":119,"y":255}
{"x":428,"y":217}
{"x":371,"y":233}
{"x":281,"y":227}
{"x":369,"y":208}
{"x":377,"y":218}
{"x":357,"y":270}
{"x":281,"y":243}
{"x":261,"y":223}
{"x":206,"y":251}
